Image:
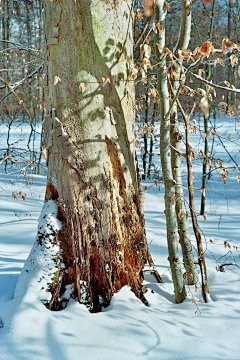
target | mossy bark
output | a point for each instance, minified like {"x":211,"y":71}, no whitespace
{"x":89,"y":137}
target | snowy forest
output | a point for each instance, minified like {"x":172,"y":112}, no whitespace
{"x":119,"y":179}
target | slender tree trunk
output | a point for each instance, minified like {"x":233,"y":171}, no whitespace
{"x":201,"y":257}
{"x":206,"y":118}
{"x":150,"y":164}
{"x":169,"y":183}
{"x":229,"y":95}
{"x":176,"y":139}
{"x":205,"y":164}
{"x":145,"y":141}
{"x":89,"y":137}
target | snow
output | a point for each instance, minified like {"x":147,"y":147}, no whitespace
{"x":127,"y":329}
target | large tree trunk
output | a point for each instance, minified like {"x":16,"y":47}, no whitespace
{"x":89,"y":137}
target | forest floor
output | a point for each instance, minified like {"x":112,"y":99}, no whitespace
{"x":127,"y":329}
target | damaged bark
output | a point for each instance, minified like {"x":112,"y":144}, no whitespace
{"x":89,"y":137}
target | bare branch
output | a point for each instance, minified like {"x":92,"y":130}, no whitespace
{"x":215,"y":85}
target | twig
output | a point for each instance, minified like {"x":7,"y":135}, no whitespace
{"x":155,"y":274}
{"x":215,"y":85}
{"x":142,"y":33}
{"x":178,"y":152}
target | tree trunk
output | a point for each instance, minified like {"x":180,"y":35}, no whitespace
{"x":169,"y":184}
{"x":208,"y":72}
{"x":89,"y":137}
{"x":145,"y":142}
{"x":176,"y":139}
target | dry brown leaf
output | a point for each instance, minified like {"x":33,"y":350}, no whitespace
{"x":205,"y":217}
{"x":181,"y":214}
{"x":128,"y":59}
{"x":227,"y":46}
{"x":204,"y":106}
{"x":105,"y":80}
{"x":139,"y":14}
{"x":160,"y":49}
{"x":134,"y":72}
{"x":233,"y":59}
{"x":147,"y":51}
{"x":203,"y":191}
{"x":44,"y":153}
{"x":207,"y":49}
{"x":218,"y":60}
{"x":144,"y":76}
{"x":160,"y":30}
{"x":56,"y":80}
{"x":82,"y":86}
{"x":146,"y":64}
{"x":148,"y":7}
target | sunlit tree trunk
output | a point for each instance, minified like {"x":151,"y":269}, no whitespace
{"x":176,"y":139}
{"x":89,"y":137}
{"x":169,"y":183}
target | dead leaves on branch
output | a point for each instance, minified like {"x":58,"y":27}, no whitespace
{"x":205,"y":50}
{"x":228,"y":46}
{"x":157,"y":27}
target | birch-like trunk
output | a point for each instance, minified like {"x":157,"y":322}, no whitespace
{"x":89,"y":137}
{"x":176,"y":139}
{"x":169,"y":183}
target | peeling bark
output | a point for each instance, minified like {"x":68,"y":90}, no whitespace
{"x":89,"y":137}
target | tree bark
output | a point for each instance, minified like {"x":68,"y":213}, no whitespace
{"x":201,"y":257}
{"x":169,"y":183}
{"x":176,"y":139}
{"x":89,"y":137}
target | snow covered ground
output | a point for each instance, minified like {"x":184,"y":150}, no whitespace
{"x":127,"y":329}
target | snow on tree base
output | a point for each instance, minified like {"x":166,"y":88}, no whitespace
{"x":41,"y":274}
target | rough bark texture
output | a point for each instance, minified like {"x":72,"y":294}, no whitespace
{"x":176,"y":140}
{"x":89,"y":138}
{"x":169,"y":184}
